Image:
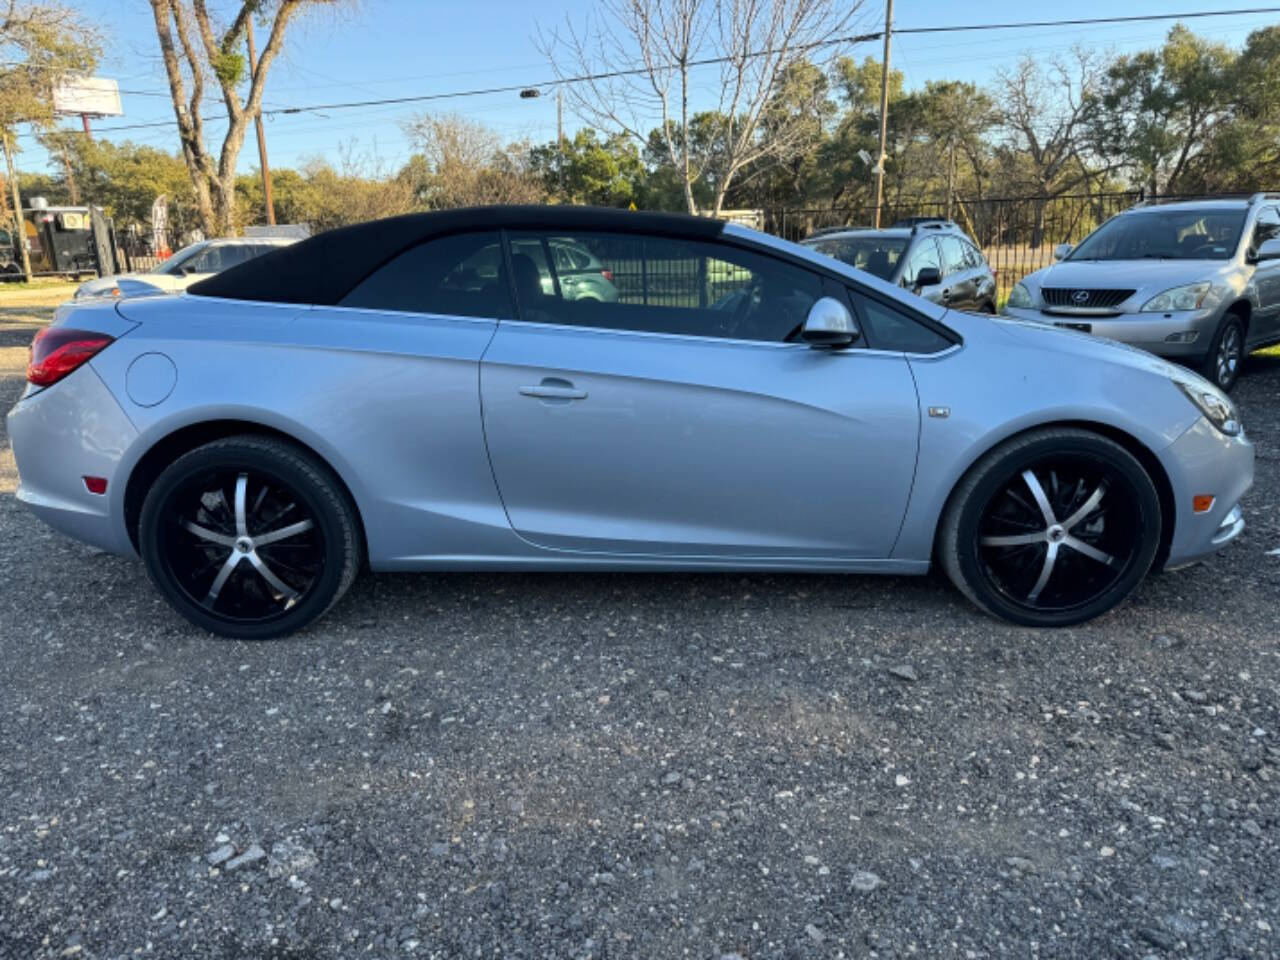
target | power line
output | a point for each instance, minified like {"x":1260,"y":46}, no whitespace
{"x":710,"y":61}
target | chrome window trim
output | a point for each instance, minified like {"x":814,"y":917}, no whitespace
{"x":687,"y":337}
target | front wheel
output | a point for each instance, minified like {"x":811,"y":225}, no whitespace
{"x":1226,"y":353}
{"x":249,"y":537}
{"x":1052,"y":528}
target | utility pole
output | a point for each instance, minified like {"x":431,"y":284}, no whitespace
{"x":20,"y":233}
{"x":560,"y":134}
{"x":884,"y":107}
{"x":262,"y":138}
{"x":71,"y":177}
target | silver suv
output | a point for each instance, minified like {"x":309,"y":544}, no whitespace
{"x":929,"y":256}
{"x":1197,"y":281}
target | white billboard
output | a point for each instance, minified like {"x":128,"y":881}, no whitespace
{"x":92,"y":96}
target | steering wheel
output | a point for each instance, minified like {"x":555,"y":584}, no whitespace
{"x":1204,"y":246}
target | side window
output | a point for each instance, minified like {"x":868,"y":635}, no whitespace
{"x":458,"y":276}
{"x":923,"y":254}
{"x":954,"y":256}
{"x":973,"y":256}
{"x":661,"y":285}
{"x":1267,"y":226}
{"x":891,"y":329}
{"x":234,"y":254}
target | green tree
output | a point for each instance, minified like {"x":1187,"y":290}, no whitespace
{"x":1156,"y":110}
{"x":1242,"y":153}
{"x":123,"y":178}
{"x":606,"y":172}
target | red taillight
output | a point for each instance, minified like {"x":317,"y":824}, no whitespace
{"x":96,"y":485}
{"x":607,"y":274}
{"x":56,"y":351}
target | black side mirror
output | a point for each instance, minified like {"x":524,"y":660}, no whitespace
{"x":927,"y":277}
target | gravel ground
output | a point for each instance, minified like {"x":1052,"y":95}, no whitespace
{"x":641,"y":766}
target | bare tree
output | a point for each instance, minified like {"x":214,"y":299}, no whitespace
{"x":1045,"y":110}
{"x":204,"y":52}
{"x":462,"y":163}
{"x":753,"y":43}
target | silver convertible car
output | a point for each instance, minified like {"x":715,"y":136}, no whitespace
{"x":373,"y":396}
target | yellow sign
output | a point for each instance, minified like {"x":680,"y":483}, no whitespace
{"x":631,"y":205}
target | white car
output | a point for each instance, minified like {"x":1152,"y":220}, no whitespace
{"x":184,"y":268}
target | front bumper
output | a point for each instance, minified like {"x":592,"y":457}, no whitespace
{"x":1180,"y":334}
{"x":1203,"y":461}
{"x":62,"y":434}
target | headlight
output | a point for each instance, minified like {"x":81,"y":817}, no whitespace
{"x":1193,"y":296}
{"x":1216,"y":408}
{"x":1019,"y":296}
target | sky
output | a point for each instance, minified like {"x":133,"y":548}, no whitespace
{"x":369,"y":49}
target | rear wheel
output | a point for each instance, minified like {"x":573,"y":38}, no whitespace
{"x":1226,"y":353}
{"x":249,"y":537}
{"x":1052,"y":528}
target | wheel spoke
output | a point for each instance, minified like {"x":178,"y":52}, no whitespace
{"x":1042,"y":501}
{"x":292,"y":530}
{"x":221,"y":539}
{"x":242,"y":522}
{"x":1050,"y":559}
{"x":276,"y":584}
{"x":1015,"y":540}
{"x":1093,"y":553}
{"x":221,"y":579}
{"x":1086,"y":508}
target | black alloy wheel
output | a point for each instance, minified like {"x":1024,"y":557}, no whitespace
{"x":249,"y":537}
{"x":1052,"y":528}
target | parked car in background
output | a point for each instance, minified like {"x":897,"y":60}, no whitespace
{"x":932,"y":258}
{"x":580,"y":274}
{"x":184,"y":268}
{"x":431,"y":418}
{"x":1197,"y":281}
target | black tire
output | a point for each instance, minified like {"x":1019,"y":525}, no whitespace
{"x":199,"y":523}
{"x":1221,"y":365}
{"x":995,"y":501}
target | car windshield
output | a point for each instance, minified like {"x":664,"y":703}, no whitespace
{"x":1165,"y":235}
{"x":173,"y":266}
{"x":876,"y":255}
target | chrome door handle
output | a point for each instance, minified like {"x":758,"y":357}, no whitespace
{"x":554,"y":388}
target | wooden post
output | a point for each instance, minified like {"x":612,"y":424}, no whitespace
{"x":20,"y":235}
{"x":262,"y":137}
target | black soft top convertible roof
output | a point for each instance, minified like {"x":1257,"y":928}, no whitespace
{"x":324,"y":268}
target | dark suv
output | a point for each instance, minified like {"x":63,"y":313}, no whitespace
{"x":931,"y":258}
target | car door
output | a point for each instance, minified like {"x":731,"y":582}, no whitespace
{"x":1265,"y":325}
{"x":959,"y":280}
{"x":679,"y":420}
{"x":924,"y":253}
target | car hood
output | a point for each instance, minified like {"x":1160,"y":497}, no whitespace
{"x":1142,"y":275}
{"x":1066,"y":345}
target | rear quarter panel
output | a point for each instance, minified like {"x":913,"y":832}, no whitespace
{"x":390,"y":401}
